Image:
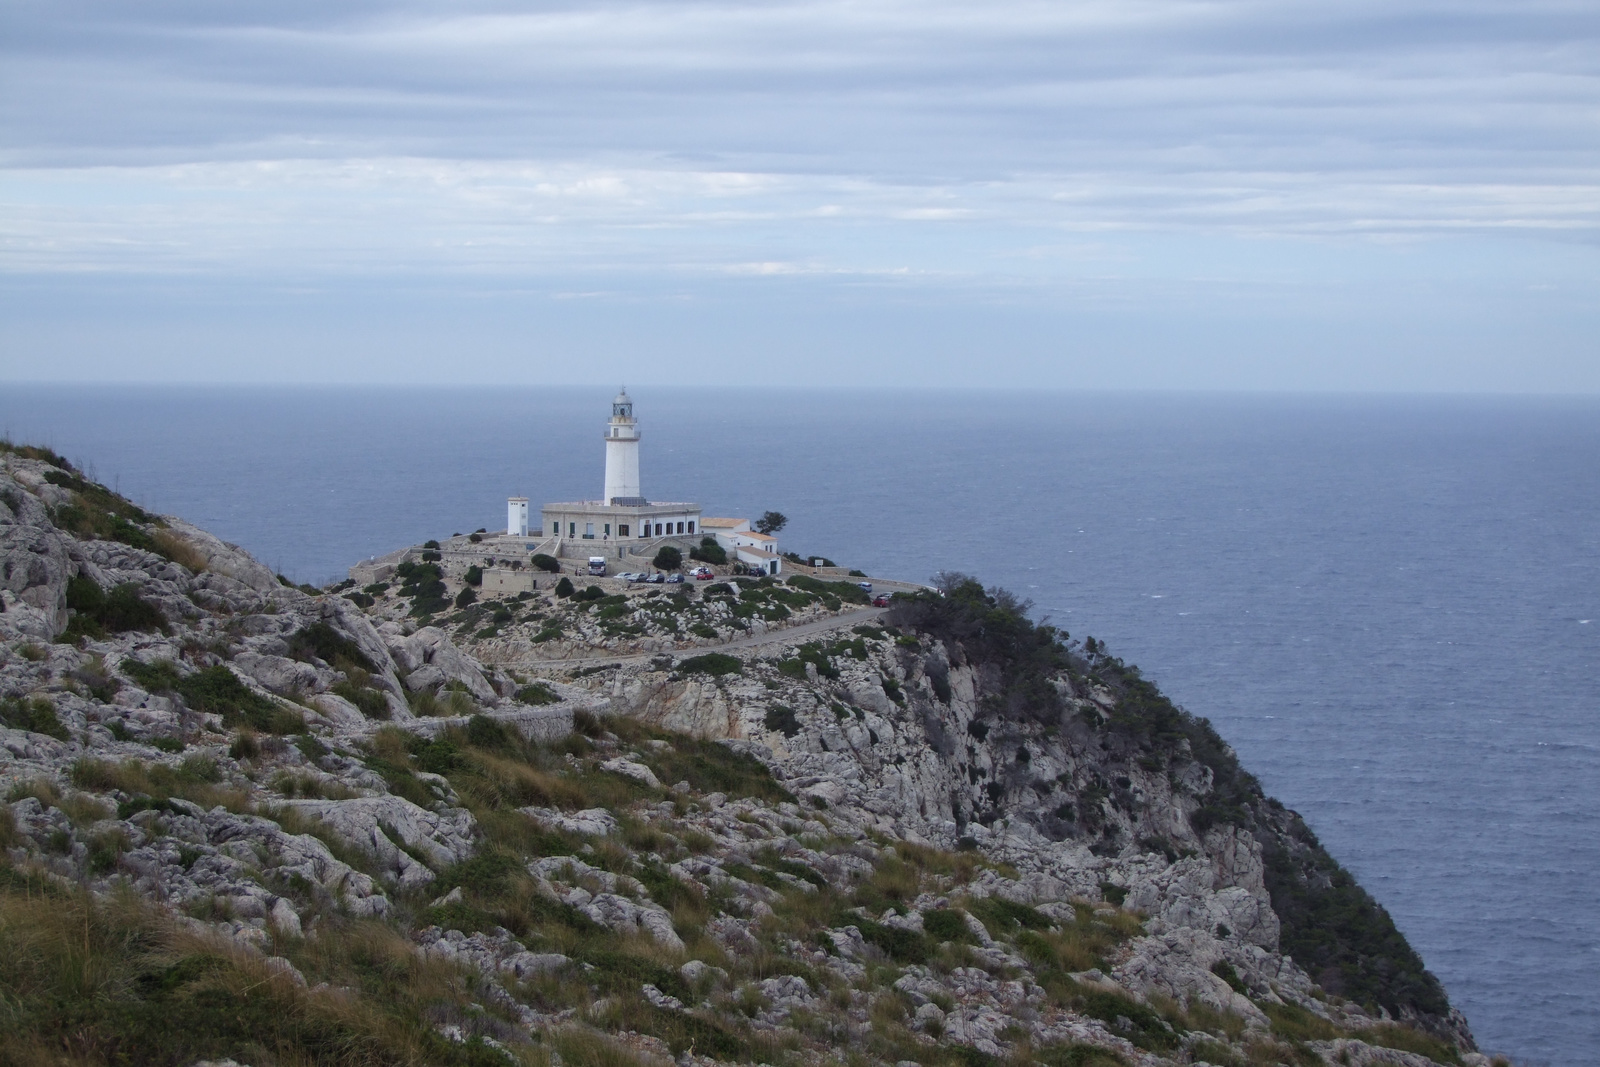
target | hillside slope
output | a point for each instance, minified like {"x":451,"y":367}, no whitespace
{"x":253,"y":821}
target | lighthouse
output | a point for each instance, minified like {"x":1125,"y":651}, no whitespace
{"x":623,"y":514}
{"x":622,"y":454}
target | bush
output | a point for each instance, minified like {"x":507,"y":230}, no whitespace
{"x":668,"y":559}
{"x":709,"y":552}
{"x":781,"y":719}
{"x":219,"y":691}
{"x":321,"y":641}
{"x":846,"y":591}
{"x":945,"y":924}
{"x":370,"y":702}
{"x":564,"y":588}
{"x":98,"y":613}
{"x":546,"y":563}
{"x":715,"y":664}
{"x":36,"y":714}
{"x":537,"y":693}
{"x":157,"y":677}
{"x":474,"y":575}
{"x":466,"y":597}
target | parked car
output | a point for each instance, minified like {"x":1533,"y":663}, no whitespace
{"x":674,"y":579}
{"x":657,"y":578}
{"x":881,"y":600}
{"x":703,"y":574}
{"x":631,"y":576}
{"x":864,"y":586}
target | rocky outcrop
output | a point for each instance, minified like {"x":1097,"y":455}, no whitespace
{"x":958,"y":831}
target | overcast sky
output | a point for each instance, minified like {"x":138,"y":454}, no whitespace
{"x":1392,"y":195}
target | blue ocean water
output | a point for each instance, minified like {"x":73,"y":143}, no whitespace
{"x":1390,"y":607}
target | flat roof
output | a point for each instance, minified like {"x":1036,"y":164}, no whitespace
{"x":709,"y":520}
{"x":601,"y":505}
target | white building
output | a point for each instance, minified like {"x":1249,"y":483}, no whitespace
{"x":744,"y":544}
{"x":622,"y":516}
{"x":517,"y":516}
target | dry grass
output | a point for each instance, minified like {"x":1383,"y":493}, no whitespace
{"x":195,"y":780}
{"x":516,"y":783}
{"x":179,"y":550}
{"x":81,"y":808}
{"x":118,"y":982}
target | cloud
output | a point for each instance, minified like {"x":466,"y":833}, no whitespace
{"x":1011,"y":146}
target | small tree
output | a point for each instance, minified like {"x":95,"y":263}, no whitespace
{"x":668,"y":559}
{"x":564,"y":587}
{"x":771,"y":522}
{"x":474,"y":575}
{"x":546,"y":563}
{"x":709,"y":552}
{"x":466,"y":596}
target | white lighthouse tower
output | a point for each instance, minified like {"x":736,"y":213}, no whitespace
{"x":622,"y":454}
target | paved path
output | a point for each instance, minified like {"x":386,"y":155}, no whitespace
{"x":771,"y":637}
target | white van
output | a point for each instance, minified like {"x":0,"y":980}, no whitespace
{"x":597,"y":566}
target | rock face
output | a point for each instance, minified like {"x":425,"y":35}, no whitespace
{"x":957,"y":831}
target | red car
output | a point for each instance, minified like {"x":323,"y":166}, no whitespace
{"x":703,"y":574}
{"x":881,"y":600}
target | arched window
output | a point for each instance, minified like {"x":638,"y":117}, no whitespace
{"x":691,"y":527}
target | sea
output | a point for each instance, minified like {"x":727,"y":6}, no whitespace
{"x":1390,"y":606}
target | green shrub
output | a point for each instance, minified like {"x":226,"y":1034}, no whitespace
{"x":564,"y":588}
{"x":97,"y":612}
{"x":846,"y":591}
{"x":370,"y":702}
{"x":321,"y":641}
{"x":902,"y":946}
{"x":546,"y":563}
{"x":484,"y":732}
{"x":157,"y":677}
{"x":667,"y":559}
{"x":710,"y":767}
{"x":538,"y":693}
{"x":1076,"y":1055}
{"x":36,"y":714}
{"x":945,"y":924}
{"x":1005,"y":916}
{"x":709,"y":552}
{"x":218,"y":690}
{"x":467,"y":596}
{"x":474,"y":575}
{"x":715,"y":664}
{"x":781,"y":719}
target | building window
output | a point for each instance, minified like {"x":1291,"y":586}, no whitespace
{"x":572,"y":529}
{"x":588,"y":531}
{"x":691,"y":527}
{"x":680,"y":527}
{"x":658,"y":529}
{"x":608,"y":529}
{"x":622,"y":530}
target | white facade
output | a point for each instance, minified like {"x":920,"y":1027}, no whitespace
{"x":624,"y":514}
{"x":622,"y":454}
{"x":743,"y":543}
{"x":517,"y":516}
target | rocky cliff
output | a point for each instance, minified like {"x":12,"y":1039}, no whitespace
{"x":273,"y":824}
